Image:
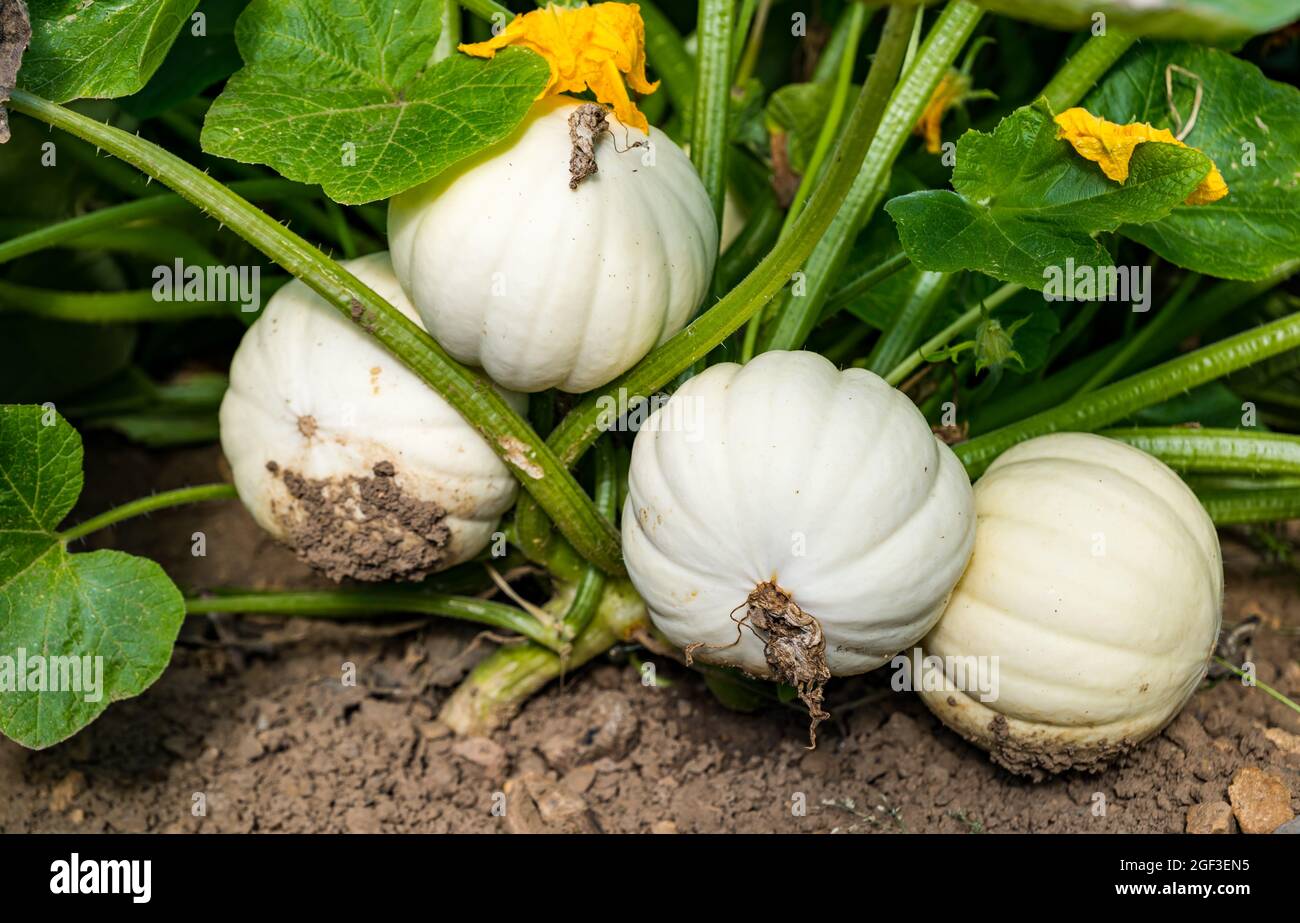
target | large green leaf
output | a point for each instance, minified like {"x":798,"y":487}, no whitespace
{"x":1214,"y":21}
{"x":104,"y":49}
{"x":338,"y":92}
{"x":1249,"y":126}
{"x":1025,"y":202}
{"x":114,"y":615}
{"x":799,"y":110}
{"x":200,"y":58}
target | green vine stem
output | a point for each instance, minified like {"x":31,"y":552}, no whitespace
{"x":795,"y":317}
{"x":495,"y":689}
{"x":487,"y":10}
{"x":969,"y":318}
{"x":856,"y":284}
{"x":114,"y":217}
{"x":712,"y":98}
{"x":1243,"y":507}
{"x":1081,"y":73}
{"x":1216,"y":451}
{"x":747,"y":60}
{"x":104,"y":307}
{"x":1262,"y":686}
{"x":1133,"y":345}
{"x":587,"y":596}
{"x":159,"y":501}
{"x":533,"y":463}
{"x":1121,"y":399}
{"x":582,"y":426}
{"x":826,"y":137}
{"x":368,"y":601}
{"x":910,"y":324}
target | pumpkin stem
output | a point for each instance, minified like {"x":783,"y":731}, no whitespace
{"x":585,"y":123}
{"x":793,"y":643}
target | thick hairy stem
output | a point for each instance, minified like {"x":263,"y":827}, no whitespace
{"x":533,"y":463}
{"x":494,"y":691}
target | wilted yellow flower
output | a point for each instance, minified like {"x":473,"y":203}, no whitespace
{"x":952,"y":89}
{"x":588,"y":47}
{"x":1111,"y":146}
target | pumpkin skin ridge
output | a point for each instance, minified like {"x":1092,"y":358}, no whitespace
{"x":697,"y":586}
{"x":276,"y":375}
{"x":1066,"y":698}
{"x":586,"y":339}
{"x":1117,"y":472}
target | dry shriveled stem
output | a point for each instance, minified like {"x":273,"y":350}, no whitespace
{"x":793,"y":644}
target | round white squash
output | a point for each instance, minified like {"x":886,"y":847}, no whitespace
{"x":1097,"y":585}
{"x":794,"y":520}
{"x":341,"y":452}
{"x":546,"y":286}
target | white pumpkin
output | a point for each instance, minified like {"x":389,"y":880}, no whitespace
{"x":344,"y":454}
{"x":1097,"y":585}
{"x":546,"y":286}
{"x":787,"y":484}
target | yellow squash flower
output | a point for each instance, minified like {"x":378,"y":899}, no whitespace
{"x":952,"y":89}
{"x":588,"y":47}
{"x":1111,"y":146}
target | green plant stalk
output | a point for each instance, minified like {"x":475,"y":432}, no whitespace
{"x":969,"y":318}
{"x":495,"y":689}
{"x":116,"y":216}
{"x":487,"y":9}
{"x":1123,"y":398}
{"x":592,"y":585}
{"x":1135,"y":344}
{"x":740,"y":39}
{"x":1081,"y":73}
{"x":861,"y":283}
{"x":1263,"y":686}
{"x":533,"y":463}
{"x":744,"y":68}
{"x":1243,"y":507}
{"x":907,"y":328}
{"x":582,"y":426}
{"x":826,"y":137}
{"x":1216,"y":451}
{"x":795,"y":317}
{"x":371,"y":601}
{"x":667,"y":54}
{"x":160,"y":245}
{"x":754,"y":240}
{"x":158,"y":501}
{"x":712,"y":98}
{"x":105,"y":307}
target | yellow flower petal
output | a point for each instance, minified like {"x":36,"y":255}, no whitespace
{"x":1111,"y":146}
{"x":588,"y":47}
{"x":950,"y":91}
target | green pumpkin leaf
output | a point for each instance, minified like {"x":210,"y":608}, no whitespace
{"x":77,"y":631}
{"x":201,"y":57}
{"x":1026,"y":203}
{"x":1249,"y":126}
{"x":799,"y":110}
{"x":341,"y":93}
{"x":101,"y":49}
{"x":1212,"y":21}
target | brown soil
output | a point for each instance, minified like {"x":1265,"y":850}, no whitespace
{"x":253,"y":722}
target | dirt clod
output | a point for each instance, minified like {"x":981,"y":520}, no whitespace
{"x":364,"y":528}
{"x":585,"y":124}
{"x":1210,"y":817}
{"x":1260,"y":800}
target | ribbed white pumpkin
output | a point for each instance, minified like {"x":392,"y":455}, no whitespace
{"x":315,"y":398}
{"x":1097,"y":583}
{"x":827,"y":483}
{"x":546,"y":286}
